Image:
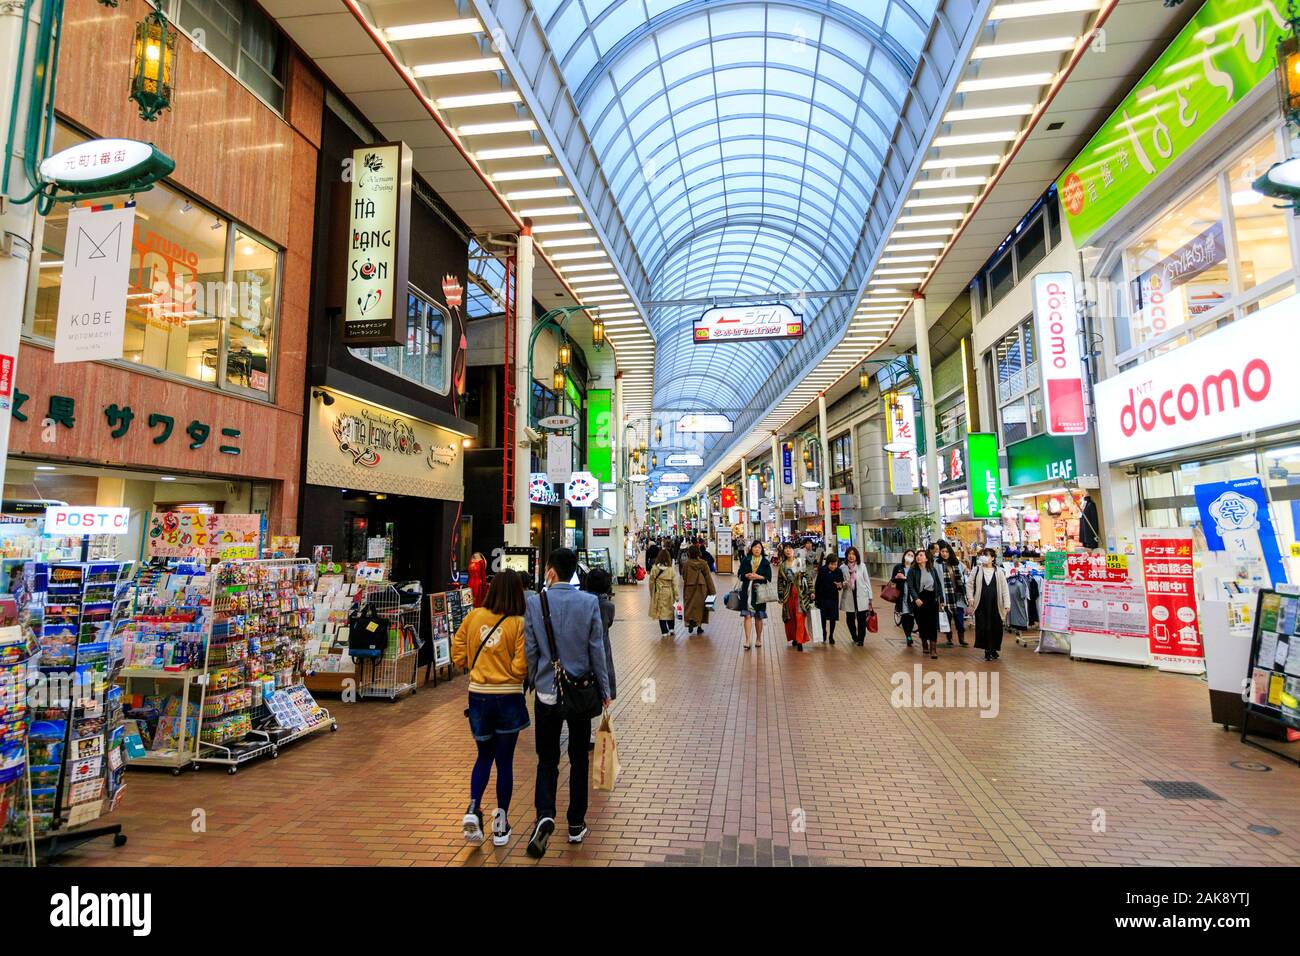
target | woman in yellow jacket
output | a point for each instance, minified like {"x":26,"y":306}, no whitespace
{"x":490,"y":644}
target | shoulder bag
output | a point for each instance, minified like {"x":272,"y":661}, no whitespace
{"x":482,"y":645}
{"x":765,"y":592}
{"x":579,"y":696}
{"x":889,"y":592}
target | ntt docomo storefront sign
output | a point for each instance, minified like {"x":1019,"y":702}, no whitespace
{"x":1056,"y":318}
{"x":1239,"y":379}
{"x":64,"y":520}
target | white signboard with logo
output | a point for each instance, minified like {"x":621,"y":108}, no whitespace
{"x":581,"y":489}
{"x":748,"y":323}
{"x":61,"y":520}
{"x":378,"y":226}
{"x":1056,"y":319}
{"x":559,"y":458}
{"x":353,"y":444}
{"x":684,"y":461}
{"x":96,"y":274}
{"x":1238,"y":379}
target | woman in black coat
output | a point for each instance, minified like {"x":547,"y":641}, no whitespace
{"x":826,"y":595}
{"x":899,"y":577}
{"x":924,"y":592}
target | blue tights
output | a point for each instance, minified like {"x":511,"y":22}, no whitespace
{"x":501,"y":749}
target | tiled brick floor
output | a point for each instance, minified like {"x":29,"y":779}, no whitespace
{"x":765,"y":758}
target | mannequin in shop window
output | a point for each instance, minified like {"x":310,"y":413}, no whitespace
{"x":1089,"y":536}
{"x":478,"y":583}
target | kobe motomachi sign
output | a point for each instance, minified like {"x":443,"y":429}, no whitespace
{"x":1057,"y":320}
{"x":1239,"y":379}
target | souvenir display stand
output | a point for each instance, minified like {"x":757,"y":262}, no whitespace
{"x":1273,"y":674}
{"x":329,"y":667}
{"x":75,"y":612}
{"x":164,"y":650}
{"x":392,"y":674}
{"x":17,"y":832}
{"x":252,"y":700}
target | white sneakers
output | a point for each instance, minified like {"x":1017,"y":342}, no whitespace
{"x":500,"y":828}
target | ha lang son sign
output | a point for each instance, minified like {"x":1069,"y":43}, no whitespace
{"x":379,"y":225}
{"x":353,"y":444}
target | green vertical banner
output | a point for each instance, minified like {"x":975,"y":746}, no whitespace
{"x":1223,"y":53}
{"x":600,"y":451}
{"x":982,"y":473}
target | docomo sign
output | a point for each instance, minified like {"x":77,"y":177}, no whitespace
{"x":1229,"y":382}
{"x":1056,"y":318}
{"x":71,"y":520}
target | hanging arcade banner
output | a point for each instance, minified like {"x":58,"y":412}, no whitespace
{"x":1056,"y":319}
{"x":540,"y":490}
{"x":902,"y":431}
{"x":379,"y":223}
{"x":1170,"y":581}
{"x":559,"y":458}
{"x":91,"y":321}
{"x":638,"y":501}
{"x":1236,"y":518}
{"x":751,"y":323}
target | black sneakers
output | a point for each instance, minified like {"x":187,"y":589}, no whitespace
{"x":577,"y":834}
{"x":542,"y":831}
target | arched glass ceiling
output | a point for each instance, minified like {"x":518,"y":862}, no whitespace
{"x":743,"y":143}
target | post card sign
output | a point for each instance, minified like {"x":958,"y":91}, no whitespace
{"x":92,"y":294}
{"x":378,"y":229}
{"x":176,"y":534}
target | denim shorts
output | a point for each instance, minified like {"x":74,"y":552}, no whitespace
{"x":760,"y":613}
{"x":491,"y":714}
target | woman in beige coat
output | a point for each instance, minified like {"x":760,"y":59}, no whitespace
{"x":663,"y":592}
{"x":697,"y":585}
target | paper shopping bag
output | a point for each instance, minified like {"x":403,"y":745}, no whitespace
{"x":604,"y":762}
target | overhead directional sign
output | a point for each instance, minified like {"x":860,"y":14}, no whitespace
{"x":751,"y":323}
{"x":676,"y":477}
{"x":704,"y":423}
{"x":684,"y":461}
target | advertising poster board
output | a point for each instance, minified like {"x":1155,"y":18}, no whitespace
{"x":1237,"y":519}
{"x":1170,"y":581}
{"x":175,"y":534}
{"x":1106,"y":610}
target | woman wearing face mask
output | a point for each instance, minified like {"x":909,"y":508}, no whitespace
{"x":991,"y":601}
{"x":795,"y":592}
{"x":904,"y":609}
{"x":923,"y":592}
{"x":855,"y":597}
{"x":754,"y":567}
{"x":953,"y":576}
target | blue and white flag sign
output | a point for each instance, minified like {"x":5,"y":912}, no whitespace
{"x":1233,"y":509}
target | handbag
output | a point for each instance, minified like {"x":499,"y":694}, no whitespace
{"x":889,"y":592}
{"x":483,"y":645}
{"x":765,"y":592}
{"x":367,"y":632}
{"x":732,"y":599}
{"x":873,"y":621}
{"x":577,"y":697}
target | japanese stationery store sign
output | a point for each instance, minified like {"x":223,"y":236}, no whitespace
{"x":1240,"y":378}
{"x":379,"y":218}
{"x":1236,"y":518}
{"x":1056,"y":319}
{"x":92,"y":293}
{"x":176,"y":534}
{"x":982,"y":470}
{"x":748,"y":324}
{"x":1172,"y":627}
{"x":1220,"y":56}
{"x":353,"y":444}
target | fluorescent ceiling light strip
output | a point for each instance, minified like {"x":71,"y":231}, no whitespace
{"x":550,"y":211}
{"x":576,"y":241}
{"x":909,"y":234}
{"x":903,"y":271}
{"x":491,"y":129}
{"x":1042,"y":8}
{"x":516,"y":175}
{"x":990,"y":51}
{"x":486,"y":64}
{"x":899,"y":260}
{"x":588,"y":254}
{"x":950,"y":182}
{"x":600,"y":278}
{"x":588,"y":267}
{"x":607,"y":298}
{"x":962,"y":199}
{"x":1018,"y":82}
{"x":914,"y":247}
{"x":477,"y":99}
{"x":559,"y":192}
{"x":881,"y":292}
{"x":616,"y":287}
{"x":932,"y":217}
{"x":547,"y":227}
{"x":513,"y":152}
{"x":955,"y":162}
{"x":434,"y":28}
{"x":974,"y":139}
{"x":989,"y":112}
{"x":898,"y":280}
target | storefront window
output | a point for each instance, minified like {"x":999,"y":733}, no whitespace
{"x":425,"y":358}
{"x":1020,"y":404}
{"x":1179,"y":269}
{"x":199,"y":287}
{"x":240,"y":37}
{"x":841,"y":461}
